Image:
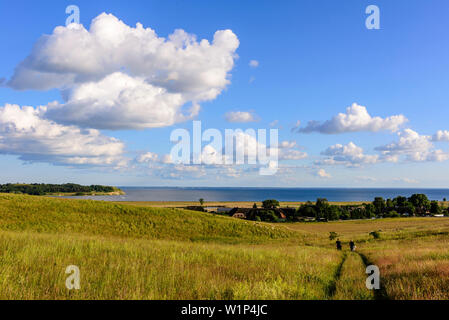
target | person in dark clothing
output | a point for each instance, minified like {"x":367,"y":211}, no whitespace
{"x":338,"y":242}
{"x":351,"y":245}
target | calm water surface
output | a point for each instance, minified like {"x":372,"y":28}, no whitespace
{"x":259,"y":194}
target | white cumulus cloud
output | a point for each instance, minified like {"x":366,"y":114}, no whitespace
{"x":23,"y":132}
{"x":414,"y":147}
{"x":355,"y":119}
{"x":349,"y":155}
{"x":128,"y":72}
{"x":119,"y":102}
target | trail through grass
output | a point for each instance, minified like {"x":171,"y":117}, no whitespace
{"x":350,"y":284}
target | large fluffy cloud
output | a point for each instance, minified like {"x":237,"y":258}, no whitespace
{"x":119,"y":102}
{"x":23,"y":132}
{"x":128,"y":72}
{"x":355,"y":119}
{"x":349,"y":155}
{"x":414,"y":147}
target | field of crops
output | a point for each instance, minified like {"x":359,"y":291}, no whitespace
{"x":132,"y":252}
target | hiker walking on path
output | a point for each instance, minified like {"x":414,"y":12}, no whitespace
{"x":352,"y":245}
{"x":338,"y":242}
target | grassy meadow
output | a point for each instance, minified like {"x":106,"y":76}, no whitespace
{"x":413,"y":268}
{"x":127,"y":251}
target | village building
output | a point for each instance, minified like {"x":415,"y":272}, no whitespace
{"x":239,"y":215}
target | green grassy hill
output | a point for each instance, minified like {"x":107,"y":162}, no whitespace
{"x":88,"y":217}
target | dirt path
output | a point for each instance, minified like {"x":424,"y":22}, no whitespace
{"x":333,"y":286}
{"x":350,"y":278}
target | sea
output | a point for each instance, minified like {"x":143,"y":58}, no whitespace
{"x":260,"y":194}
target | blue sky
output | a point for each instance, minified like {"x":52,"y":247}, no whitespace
{"x":315,"y":59}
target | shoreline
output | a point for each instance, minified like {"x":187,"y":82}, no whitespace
{"x":75,"y":194}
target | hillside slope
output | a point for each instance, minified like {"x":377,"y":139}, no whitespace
{"x":87,"y":217}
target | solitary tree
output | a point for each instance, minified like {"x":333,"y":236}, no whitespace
{"x":201,"y":201}
{"x":255,"y":205}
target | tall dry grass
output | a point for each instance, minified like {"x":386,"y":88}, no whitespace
{"x":413,"y":269}
{"x":32,"y":266}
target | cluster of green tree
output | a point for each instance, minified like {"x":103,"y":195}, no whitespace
{"x":322,"y":210}
{"x":265,"y":215}
{"x":269,"y":212}
{"x":43,"y":189}
{"x":269,"y":204}
{"x":416,"y":205}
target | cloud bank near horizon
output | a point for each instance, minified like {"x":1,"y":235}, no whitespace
{"x":25,"y":133}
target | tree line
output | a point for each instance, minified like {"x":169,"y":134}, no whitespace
{"x":43,"y":189}
{"x":416,"y":205}
{"x":322,"y":210}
